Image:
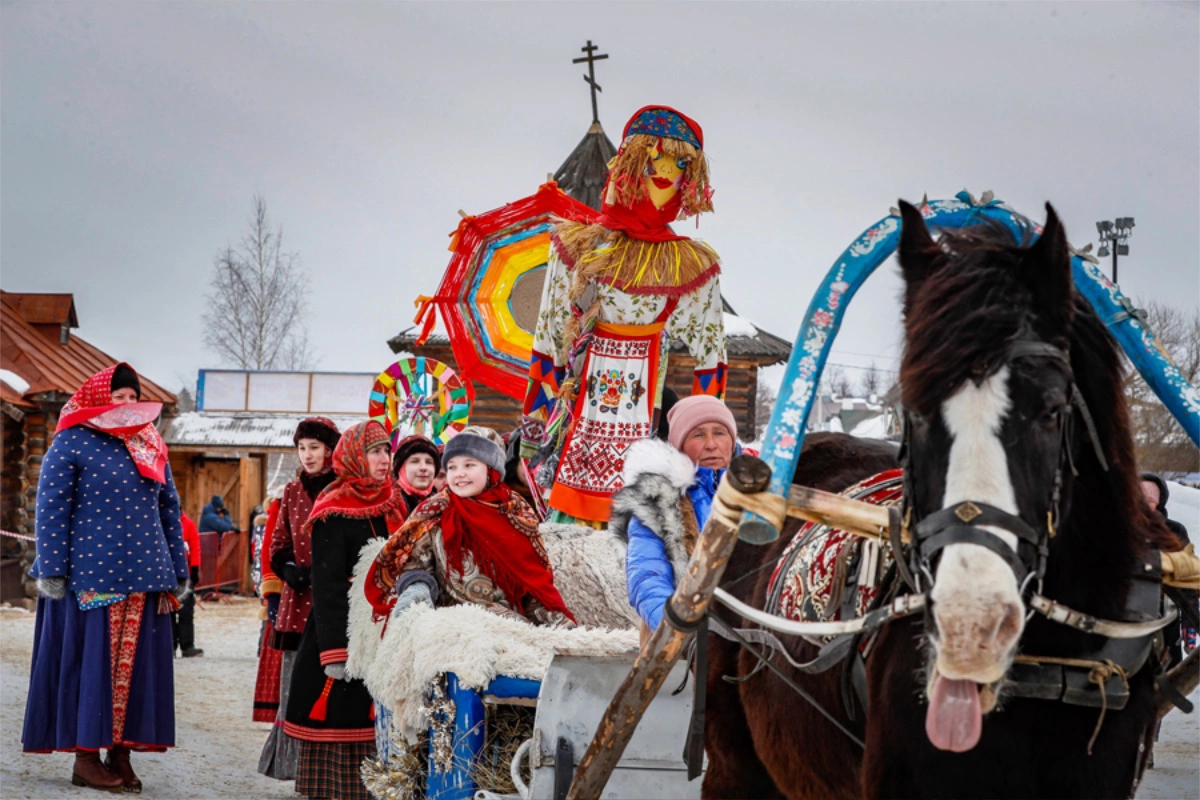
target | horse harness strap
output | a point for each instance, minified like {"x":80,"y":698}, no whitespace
{"x":1065,"y":615}
{"x":961,"y":524}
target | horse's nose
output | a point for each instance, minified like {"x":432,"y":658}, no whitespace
{"x":975,"y":640}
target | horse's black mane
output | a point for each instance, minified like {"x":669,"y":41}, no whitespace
{"x":962,"y":320}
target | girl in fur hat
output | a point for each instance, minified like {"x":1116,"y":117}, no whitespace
{"x":613,"y":290}
{"x":415,"y":464}
{"x":473,"y":542}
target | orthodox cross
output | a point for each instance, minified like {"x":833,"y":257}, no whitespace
{"x":590,"y":78}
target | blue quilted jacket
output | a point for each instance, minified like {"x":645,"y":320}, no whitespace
{"x":100,"y":523}
{"x":648,"y":573}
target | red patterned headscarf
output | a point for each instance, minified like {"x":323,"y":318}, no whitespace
{"x":497,"y":527}
{"x":355,"y":493}
{"x":132,"y":423}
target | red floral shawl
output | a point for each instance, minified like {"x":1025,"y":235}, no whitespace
{"x":132,"y":423}
{"x":355,"y":493}
{"x":497,"y":527}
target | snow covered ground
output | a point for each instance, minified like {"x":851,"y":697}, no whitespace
{"x":218,"y":747}
{"x":218,"y":744}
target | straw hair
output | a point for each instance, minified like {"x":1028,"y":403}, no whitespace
{"x":628,"y":168}
{"x":595,"y":253}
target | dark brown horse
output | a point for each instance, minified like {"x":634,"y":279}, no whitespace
{"x":993,"y":423}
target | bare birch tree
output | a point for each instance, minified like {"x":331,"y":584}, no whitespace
{"x":870,"y":382}
{"x":255,"y":312}
{"x":1162,"y":445}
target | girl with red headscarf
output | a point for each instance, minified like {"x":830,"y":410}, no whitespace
{"x":329,"y":713}
{"x":473,"y":542}
{"x":111,"y":566}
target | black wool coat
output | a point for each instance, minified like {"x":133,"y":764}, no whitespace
{"x":336,"y":542}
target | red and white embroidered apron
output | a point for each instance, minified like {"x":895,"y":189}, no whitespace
{"x":618,"y":391}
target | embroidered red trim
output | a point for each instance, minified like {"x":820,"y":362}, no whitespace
{"x":338,"y":655}
{"x":329,"y":735}
{"x":666,"y":291}
{"x":124,"y":625}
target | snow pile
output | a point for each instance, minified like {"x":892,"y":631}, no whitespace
{"x":1184,"y":506}
{"x":736,"y":326}
{"x":14,"y":381}
{"x":873,"y":428}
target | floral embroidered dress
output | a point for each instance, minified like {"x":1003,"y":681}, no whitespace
{"x":616,"y":292}
{"x":622,"y":371}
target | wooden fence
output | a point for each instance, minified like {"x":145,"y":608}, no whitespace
{"x":225,"y":561}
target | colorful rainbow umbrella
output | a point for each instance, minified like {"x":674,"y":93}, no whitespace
{"x":492,"y":289}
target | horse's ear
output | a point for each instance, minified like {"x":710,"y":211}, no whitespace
{"x":917,"y":251}
{"x":1047,"y":273}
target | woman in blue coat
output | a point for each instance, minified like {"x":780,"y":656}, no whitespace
{"x":110,"y":566}
{"x":667,"y":498}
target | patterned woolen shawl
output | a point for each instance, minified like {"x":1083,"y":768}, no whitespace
{"x":355,"y":493}
{"x":497,"y":527}
{"x":132,"y":423}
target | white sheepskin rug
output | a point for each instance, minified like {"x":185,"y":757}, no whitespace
{"x":423,"y":643}
{"x":589,"y":571}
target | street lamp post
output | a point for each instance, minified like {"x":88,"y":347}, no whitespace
{"x":1114,"y":237}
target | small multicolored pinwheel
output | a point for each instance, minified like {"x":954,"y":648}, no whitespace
{"x":421,"y":395}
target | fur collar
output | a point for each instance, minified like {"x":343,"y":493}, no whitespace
{"x":657,"y":477}
{"x":313,"y":484}
{"x":656,"y":457}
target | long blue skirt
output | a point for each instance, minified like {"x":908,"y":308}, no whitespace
{"x":70,"y":703}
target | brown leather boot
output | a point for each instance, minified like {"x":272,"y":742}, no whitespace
{"x":118,"y":763}
{"x":91,"y":773}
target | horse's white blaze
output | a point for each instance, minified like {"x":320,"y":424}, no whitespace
{"x":976,"y":597}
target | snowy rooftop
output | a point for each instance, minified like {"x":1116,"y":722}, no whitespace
{"x":14,"y":381}
{"x":202,"y":429}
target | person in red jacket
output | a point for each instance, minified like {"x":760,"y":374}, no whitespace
{"x":183,"y":620}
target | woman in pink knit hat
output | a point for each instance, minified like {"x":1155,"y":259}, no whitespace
{"x":667,"y":498}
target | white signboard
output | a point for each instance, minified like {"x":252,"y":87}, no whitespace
{"x":284,"y":392}
{"x":340,"y":393}
{"x":278,"y":391}
{"x":222,"y":391}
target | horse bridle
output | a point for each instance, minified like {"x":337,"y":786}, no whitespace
{"x":974,"y":522}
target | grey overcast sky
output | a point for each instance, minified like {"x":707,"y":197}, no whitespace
{"x":134,"y":135}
